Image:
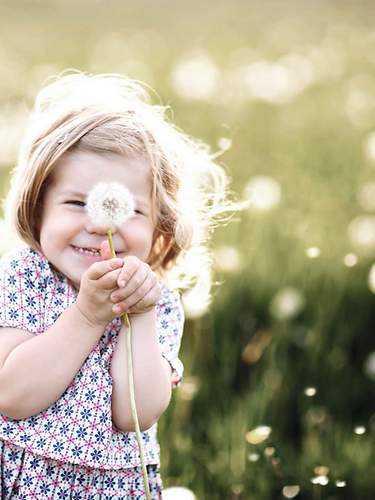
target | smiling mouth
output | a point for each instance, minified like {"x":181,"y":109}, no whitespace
{"x":91,"y":251}
{"x":87,"y":251}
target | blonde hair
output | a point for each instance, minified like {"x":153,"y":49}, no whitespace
{"x":109,"y":113}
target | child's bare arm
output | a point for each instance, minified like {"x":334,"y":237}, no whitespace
{"x":38,"y":370}
{"x":152,"y":375}
{"x":138,"y":295}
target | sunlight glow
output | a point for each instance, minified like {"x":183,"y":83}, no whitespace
{"x":287,"y":303}
{"x":361,"y":231}
{"x":196,"y":77}
{"x":262,"y":193}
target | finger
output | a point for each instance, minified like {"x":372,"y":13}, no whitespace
{"x":139,"y":294}
{"x":148,"y":301}
{"x":136,"y":280}
{"x":131,"y":266}
{"x":100,"y":268}
{"x":105,"y":250}
{"x":108,"y":281}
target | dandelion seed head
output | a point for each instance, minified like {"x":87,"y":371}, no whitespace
{"x":350,"y":259}
{"x":310,"y":391}
{"x":178,"y":493}
{"x":258,"y":435}
{"x":313,"y":252}
{"x":109,"y":204}
{"x":360,"y":429}
{"x":322,"y":480}
{"x":340,"y":484}
{"x":291,"y":491}
{"x":269,"y":451}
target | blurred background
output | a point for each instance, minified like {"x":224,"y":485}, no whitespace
{"x":278,"y":396}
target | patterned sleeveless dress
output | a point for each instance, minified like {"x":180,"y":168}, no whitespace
{"x":72,"y":450}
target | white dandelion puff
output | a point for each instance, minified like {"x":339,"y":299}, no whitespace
{"x":258,"y":435}
{"x":109,"y":204}
{"x":178,"y":493}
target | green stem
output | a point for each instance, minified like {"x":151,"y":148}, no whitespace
{"x":126,"y":322}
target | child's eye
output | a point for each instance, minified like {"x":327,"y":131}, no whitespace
{"x":76,"y":202}
{"x":140,"y":212}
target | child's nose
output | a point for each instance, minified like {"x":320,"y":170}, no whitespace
{"x":94,"y":227}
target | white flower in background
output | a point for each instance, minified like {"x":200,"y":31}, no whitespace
{"x":359,"y":430}
{"x":227,"y":258}
{"x":301,"y":69}
{"x":267,"y":81}
{"x":313,"y":252}
{"x":340,"y":483}
{"x":259,"y":434}
{"x":366,"y":196}
{"x":291,"y":491}
{"x":350,"y":259}
{"x":109,"y":204}
{"x":287,"y":303}
{"x":224,"y":143}
{"x":178,"y":493}
{"x":369,"y":366}
{"x":369,"y":146}
{"x":188,"y":388}
{"x":262,"y":193}
{"x":371,"y":279}
{"x":361,"y":232}
{"x":278,"y":82}
{"x":322,"y":480}
{"x":196,"y":77}
{"x":310,"y":391}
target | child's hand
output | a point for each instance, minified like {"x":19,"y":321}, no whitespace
{"x":138,"y":290}
{"x":97,"y":284}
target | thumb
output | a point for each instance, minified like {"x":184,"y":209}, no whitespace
{"x":105,"y":251}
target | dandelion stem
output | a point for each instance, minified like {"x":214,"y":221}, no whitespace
{"x":110,"y":241}
{"x":126,"y":322}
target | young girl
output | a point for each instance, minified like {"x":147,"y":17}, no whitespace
{"x":66,"y":429}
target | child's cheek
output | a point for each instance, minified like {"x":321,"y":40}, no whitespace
{"x":135,"y":235}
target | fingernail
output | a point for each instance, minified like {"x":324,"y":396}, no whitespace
{"x":122,"y":283}
{"x":116,"y":309}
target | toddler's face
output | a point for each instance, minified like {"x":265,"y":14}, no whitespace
{"x":68,"y":238}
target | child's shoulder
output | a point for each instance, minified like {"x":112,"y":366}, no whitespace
{"x":168,"y":292}
{"x":25,"y":262}
{"x":22,"y":257}
{"x":170,"y":301}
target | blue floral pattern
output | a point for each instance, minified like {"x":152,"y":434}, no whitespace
{"x":42,"y":478}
